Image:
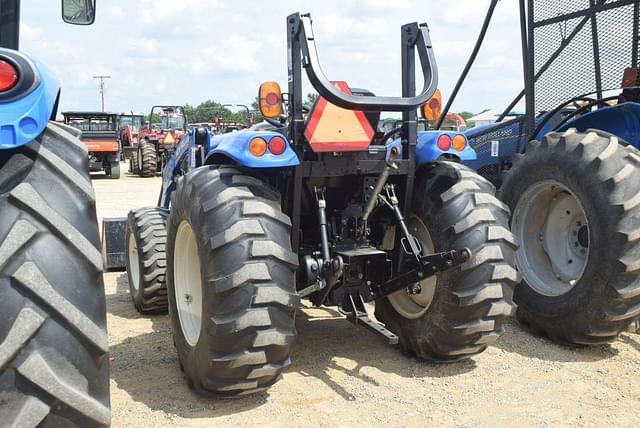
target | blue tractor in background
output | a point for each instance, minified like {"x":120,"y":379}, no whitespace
{"x":569,"y":168}
{"x":54,"y":366}
{"x":323,"y":208}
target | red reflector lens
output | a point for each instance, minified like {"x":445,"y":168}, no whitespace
{"x":272,"y":98}
{"x":8,"y":76}
{"x":434,"y":103}
{"x":277,"y":145}
{"x":444,"y":142}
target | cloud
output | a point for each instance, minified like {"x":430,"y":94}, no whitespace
{"x":192,"y":50}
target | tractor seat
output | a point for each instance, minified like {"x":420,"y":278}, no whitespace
{"x":201,"y":136}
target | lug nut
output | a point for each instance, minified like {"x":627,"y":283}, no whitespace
{"x":414,"y":289}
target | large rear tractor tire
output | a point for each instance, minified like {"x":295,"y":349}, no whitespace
{"x":54,"y":366}
{"x":146,"y":239}
{"x":460,"y":312}
{"x":148,"y":162}
{"x":575,"y":199}
{"x":230,"y":279}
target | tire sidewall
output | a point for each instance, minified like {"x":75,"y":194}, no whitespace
{"x":133,"y":233}
{"x":582,"y":182}
{"x":188,"y":354}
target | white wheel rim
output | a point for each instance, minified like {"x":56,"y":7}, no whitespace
{"x":187,"y":282}
{"x":134,"y":262}
{"x":554,"y":237}
{"x":412,"y":306}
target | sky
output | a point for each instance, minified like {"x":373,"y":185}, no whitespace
{"x":188,"y":51}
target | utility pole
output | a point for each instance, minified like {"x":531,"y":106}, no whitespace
{"x":102,"y":87}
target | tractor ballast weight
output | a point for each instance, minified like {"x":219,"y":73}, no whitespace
{"x":569,"y":168}
{"x":257,"y":220}
{"x":54,"y":363}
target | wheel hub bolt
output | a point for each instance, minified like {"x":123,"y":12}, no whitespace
{"x":415,"y":289}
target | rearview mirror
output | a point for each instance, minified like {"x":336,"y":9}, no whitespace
{"x":79,"y":12}
{"x":270,"y":99}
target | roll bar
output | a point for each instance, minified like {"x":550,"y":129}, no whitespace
{"x":414,"y":36}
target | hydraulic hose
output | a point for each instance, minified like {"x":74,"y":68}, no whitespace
{"x":467,"y":67}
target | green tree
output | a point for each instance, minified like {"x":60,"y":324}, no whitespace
{"x":311,"y":100}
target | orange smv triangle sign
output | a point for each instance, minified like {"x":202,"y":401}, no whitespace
{"x":334,"y":129}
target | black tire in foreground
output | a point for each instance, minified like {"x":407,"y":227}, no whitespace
{"x":589,"y":292}
{"x":54,"y":365}
{"x":148,"y":162}
{"x":228,"y":237}
{"x":460,"y":312}
{"x":146,"y":239}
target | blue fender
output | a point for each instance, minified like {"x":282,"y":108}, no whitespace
{"x":427,"y":149}
{"x":25,"y":117}
{"x":235,"y":146}
{"x":621,"y":120}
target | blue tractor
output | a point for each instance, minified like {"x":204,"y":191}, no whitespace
{"x":569,"y":168}
{"x":324,"y":208}
{"x":54,"y":366}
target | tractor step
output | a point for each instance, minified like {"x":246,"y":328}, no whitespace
{"x":356,"y":312}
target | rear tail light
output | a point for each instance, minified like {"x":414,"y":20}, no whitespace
{"x":459,"y":142}
{"x":277,"y":145}
{"x":444,"y":142}
{"x":258,"y":147}
{"x":8,"y":76}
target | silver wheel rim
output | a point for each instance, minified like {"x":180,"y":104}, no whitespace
{"x":134,"y":263}
{"x":413,"y":306}
{"x":554,"y":237}
{"x":187,"y":283}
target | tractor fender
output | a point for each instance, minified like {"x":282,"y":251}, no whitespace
{"x":622,"y":120}
{"x":235,"y":146}
{"x":25,"y":114}
{"x":427,"y":149}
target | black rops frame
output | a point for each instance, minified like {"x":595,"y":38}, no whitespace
{"x":302,"y":53}
{"x":162,"y":107}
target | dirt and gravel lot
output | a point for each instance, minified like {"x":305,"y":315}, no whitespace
{"x":344,"y":376}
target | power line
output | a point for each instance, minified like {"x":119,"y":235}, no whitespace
{"x":102,"y":87}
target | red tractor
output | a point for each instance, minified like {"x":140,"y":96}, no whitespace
{"x":129,"y":125}
{"x":157,"y":139}
{"x":99,"y":134}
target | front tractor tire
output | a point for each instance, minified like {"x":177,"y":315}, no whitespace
{"x":457,"y":313}
{"x":54,"y":365}
{"x":146,"y":239}
{"x":133,"y":163}
{"x":147,"y":159}
{"x":230,"y":279}
{"x":575,"y":199}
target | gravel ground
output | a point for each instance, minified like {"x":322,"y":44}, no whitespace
{"x":345,"y":376}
